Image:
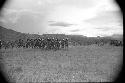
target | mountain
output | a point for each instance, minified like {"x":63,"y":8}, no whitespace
{"x":117,"y":36}
{"x":9,"y":35}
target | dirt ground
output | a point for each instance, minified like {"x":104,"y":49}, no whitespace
{"x":77,"y":64}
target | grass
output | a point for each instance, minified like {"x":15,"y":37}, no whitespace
{"x":78,"y":64}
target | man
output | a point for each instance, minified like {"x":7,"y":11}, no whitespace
{"x":0,"y":44}
{"x":62,"y":43}
{"x":48,"y":43}
{"x":66,"y":43}
{"x":57,"y":44}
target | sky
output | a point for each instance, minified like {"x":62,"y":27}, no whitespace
{"x":78,"y":17}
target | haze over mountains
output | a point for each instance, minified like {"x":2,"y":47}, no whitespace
{"x":9,"y":34}
{"x":90,"y":18}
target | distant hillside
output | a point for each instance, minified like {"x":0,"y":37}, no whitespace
{"x":8,"y":34}
{"x":117,"y":36}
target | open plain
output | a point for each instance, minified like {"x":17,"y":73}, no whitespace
{"x":90,"y":63}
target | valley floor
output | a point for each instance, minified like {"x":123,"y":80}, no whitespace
{"x":77,"y":64}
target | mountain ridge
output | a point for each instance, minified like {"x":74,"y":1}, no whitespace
{"x":9,"y":34}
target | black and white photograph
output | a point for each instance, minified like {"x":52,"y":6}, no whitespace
{"x":61,"y":41}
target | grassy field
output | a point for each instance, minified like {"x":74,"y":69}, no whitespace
{"x":78,"y":64}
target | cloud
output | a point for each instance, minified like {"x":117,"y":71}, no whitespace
{"x":80,"y":3}
{"x":73,"y":16}
{"x":24,"y":20}
{"x":12,"y":15}
{"x":106,"y":18}
{"x":107,"y":22}
{"x":62,"y":24}
{"x":105,"y":28}
{"x":75,"y":30}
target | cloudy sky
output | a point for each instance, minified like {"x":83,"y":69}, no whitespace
{"x":83,"y":17}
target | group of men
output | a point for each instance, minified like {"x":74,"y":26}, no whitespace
{"x":43,"y":43}
{"x":116,"y":43}
{"x":50,"y":43}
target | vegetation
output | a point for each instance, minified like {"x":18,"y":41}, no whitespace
{"x":84,"y":61}
{"x":79,"y":64}
{"x":11,"y":35}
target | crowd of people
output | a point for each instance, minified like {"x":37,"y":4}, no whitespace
{"x":42,"y":43}
{"x":51,"y":43}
